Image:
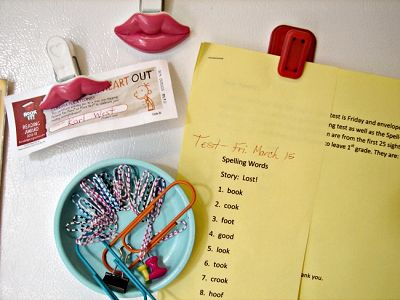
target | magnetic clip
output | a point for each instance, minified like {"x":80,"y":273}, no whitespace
{"x":295,"y":46}
{"x":151,"y":6}
{"x":62,"y":57}
{"x":116,"y":282}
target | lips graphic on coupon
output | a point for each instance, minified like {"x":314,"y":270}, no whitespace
{"x":152,"y":32}
{"x":71,"y":91}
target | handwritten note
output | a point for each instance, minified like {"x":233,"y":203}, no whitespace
{"x":274,"y":162}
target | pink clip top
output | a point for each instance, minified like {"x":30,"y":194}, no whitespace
{"x":152,"y":32}
{"x":71,"y":91}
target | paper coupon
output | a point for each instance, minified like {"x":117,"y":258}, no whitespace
{"x":139,"y":94}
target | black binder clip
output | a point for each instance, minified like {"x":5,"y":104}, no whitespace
{"x":116,"y":280}
{"x":295,"y":46}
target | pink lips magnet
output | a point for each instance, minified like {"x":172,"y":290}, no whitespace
{"x":152,"y":32}
{"x":71,"y":91}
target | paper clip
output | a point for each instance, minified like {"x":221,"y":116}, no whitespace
{"x":121,"y":265}
{"x":156,"y":239}
{"x":94,"y":274}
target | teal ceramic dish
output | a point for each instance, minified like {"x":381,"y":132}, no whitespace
{"x":174,"y":252}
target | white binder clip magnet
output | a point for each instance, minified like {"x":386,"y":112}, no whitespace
{"x":63,"y":59}
{"x":151,"y":6}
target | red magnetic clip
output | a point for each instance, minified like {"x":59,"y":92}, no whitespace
{"x":295,"y":46}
